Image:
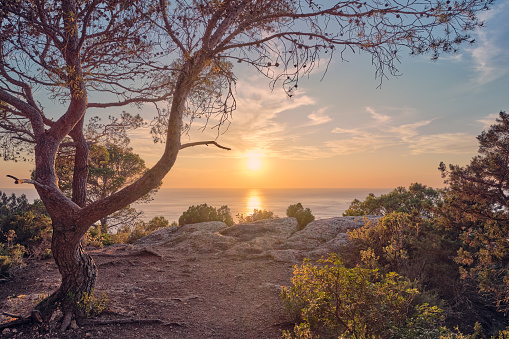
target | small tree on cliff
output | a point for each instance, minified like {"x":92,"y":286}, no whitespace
{"x":181,"y":52}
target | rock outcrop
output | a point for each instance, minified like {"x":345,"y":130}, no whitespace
{"x":278,"y":239}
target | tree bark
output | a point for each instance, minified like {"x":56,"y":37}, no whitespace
{"x":79,"y":274}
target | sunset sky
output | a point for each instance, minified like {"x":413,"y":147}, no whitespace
{"x":343,"y":131}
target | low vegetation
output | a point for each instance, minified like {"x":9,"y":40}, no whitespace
{"x":203,"y":213}
{"x":333,"y":301}
{"x":451,"y":244}
{"x":302,"y":215}
{"x":25,"y":232}
{"x":257,"y":215}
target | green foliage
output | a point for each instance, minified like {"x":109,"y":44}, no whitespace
{"x":418,"y":248}
{"x":477,"y":205}
{"x":203,"y":213}
{"x":5,"y":263}
{"x":25,"y":230}
{"x":478,"y":333}
{"x":302,"y":215}
{"x":10,"y":256}
{"x":430,"y":249}
{"x":129,"y":234}
{"x":257,"y":215}
{"x":92,"y":306}
{"x":111,"y":167}
{"x":418,"y":199}
{"x":335,"y":301}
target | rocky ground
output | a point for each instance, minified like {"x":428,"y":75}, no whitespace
{"x":197,"y":281}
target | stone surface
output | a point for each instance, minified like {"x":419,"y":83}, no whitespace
{"x":278,"y":239}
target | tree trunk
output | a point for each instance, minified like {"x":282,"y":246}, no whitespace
{"x":79,"y":274}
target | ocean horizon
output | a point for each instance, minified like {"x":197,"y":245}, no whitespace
{"x":172,"y":202}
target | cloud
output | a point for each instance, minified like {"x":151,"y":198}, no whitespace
{"x":361,"y":143}
{"x":488,"y":120}
{"x":255,"y":123}
{"x":268,"y":121}
{"x":395,"y":133}
{"x":457,"y":143}
{"x":318,"y":117}
{"x":407,"y":131}
{"x":340,"y":130}
{"x":377,"y":116}
{"x":492,"y":50}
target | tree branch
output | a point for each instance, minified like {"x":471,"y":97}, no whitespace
{"x":127,"y":102}
{"x":24,"y":181}
{"x":192,"y":144}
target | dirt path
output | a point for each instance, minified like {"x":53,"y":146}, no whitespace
{"x":195,"y":296}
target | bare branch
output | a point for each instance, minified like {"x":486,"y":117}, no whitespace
{"x":192,"y":144}
{"x":23,"y":181}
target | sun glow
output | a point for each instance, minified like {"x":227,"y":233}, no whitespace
{"x":254,"y":161}
{"x":254,"y":164}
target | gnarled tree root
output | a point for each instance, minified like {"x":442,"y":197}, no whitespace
{"x":126,"y":321}
{"x":32,"y":317}
{"x":35,"y":318}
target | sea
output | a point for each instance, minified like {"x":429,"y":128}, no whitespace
{"x":172,"y":202}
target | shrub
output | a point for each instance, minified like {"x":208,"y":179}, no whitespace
{"x":10,"y":256}
{"x":302,"y":215}
{"x":203,"y":213}
{"x":5,"y":264}
{"x":417,"y":248}
{"x":257,"y":215}
{"x":92,"y":306}
{"x":129,"y":234}
{"x":335,"y":301}
{"x":25,"y":230}
{"x":417,"y":199}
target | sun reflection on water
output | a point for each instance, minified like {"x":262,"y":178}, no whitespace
{"x":253,"y":201}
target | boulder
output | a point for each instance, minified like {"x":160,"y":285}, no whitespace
{"x":157,"y":237}
{"x":275,"y":228}
{"x":278,"y":239}
{"x":322,"y":231}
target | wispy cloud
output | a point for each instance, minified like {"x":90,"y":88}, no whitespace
{"x":491,"y":48}
{"x":361,"y":143}
{"x":407,"y":131}
{"x":340,"y":130}
{"x":261,"y":124}
{"x":371,"y":138}
{"x":318,"y":117}
{"x":488,"y":120}
{"x":457,"y":143}
{"x":255,"y":122}
{"x":377,"y":116}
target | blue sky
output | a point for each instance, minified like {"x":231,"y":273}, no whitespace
{"x":343,"y":131}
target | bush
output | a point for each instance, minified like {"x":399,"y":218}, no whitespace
{"x":90,"y":305}
{"x":335,"y":301}
{"x":203,"y":213}
{"x":25,"y":230}
{"x":129,"y":234}
{"x":5,"y":264}
{"x":417,"y":199}
{"x":302,"y":215}
{"x":257,"y":215}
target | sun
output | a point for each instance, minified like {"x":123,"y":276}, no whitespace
{"x":254,"y":163}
